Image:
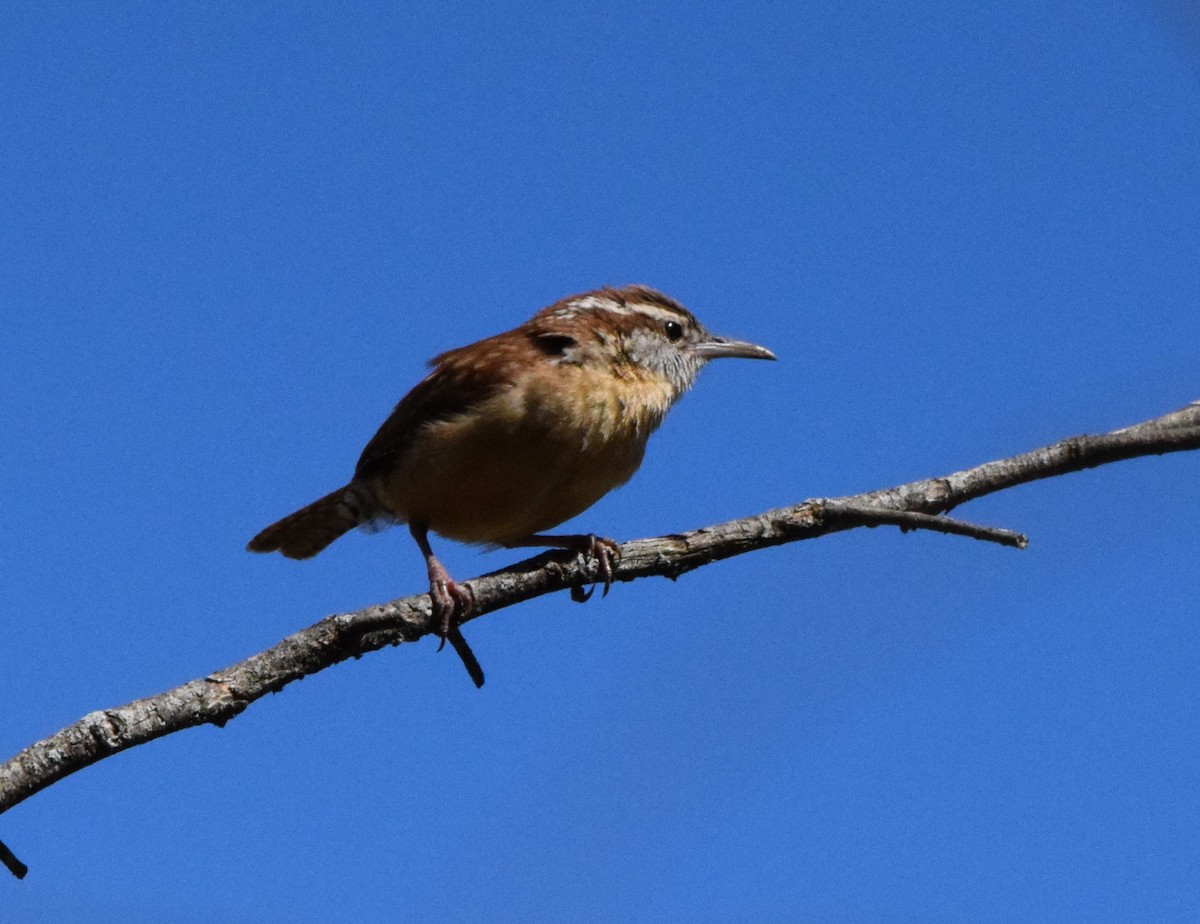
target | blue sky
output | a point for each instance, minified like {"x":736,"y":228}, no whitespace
{"x":230,"y":238}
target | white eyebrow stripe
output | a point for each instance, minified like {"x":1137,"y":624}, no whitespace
{"x":656,"y":312}
{"x":599,"y":303}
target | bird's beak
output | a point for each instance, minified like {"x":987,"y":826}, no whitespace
{"x":717,"y":347}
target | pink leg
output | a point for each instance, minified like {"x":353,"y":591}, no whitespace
{"x":451,"y":601}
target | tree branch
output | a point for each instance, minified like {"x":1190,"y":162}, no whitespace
{"x":218,"y":697}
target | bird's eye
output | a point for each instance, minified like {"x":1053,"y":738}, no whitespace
{"x":674,"y":330}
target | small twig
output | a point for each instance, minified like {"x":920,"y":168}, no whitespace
{"x":15,"y":866}
{"x":455,"y":637}
{"x":907,"y":519}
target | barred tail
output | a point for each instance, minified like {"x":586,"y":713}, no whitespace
{"x":310,"y":529}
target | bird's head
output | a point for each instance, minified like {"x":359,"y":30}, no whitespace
{"x":635,"y":330}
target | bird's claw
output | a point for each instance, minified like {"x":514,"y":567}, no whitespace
{"x":451,"y":602}
{"x":607,"y":555}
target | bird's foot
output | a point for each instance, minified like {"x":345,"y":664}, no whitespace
{"x":605,"y":552}
{"x":451,"y":602}
{"x":607,"y":555}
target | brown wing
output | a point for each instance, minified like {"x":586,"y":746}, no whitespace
{"x":460,"y":379}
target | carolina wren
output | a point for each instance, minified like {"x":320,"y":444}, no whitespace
{"x":517,"y":433}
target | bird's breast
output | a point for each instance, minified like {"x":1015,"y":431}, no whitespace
{"x":528,"y":457}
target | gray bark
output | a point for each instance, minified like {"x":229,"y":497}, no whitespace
{"x":221,"y":695}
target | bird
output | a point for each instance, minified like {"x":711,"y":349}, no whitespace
{"x":517,"y":433}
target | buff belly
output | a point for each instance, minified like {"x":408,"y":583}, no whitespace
{"x":512,"y":467}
